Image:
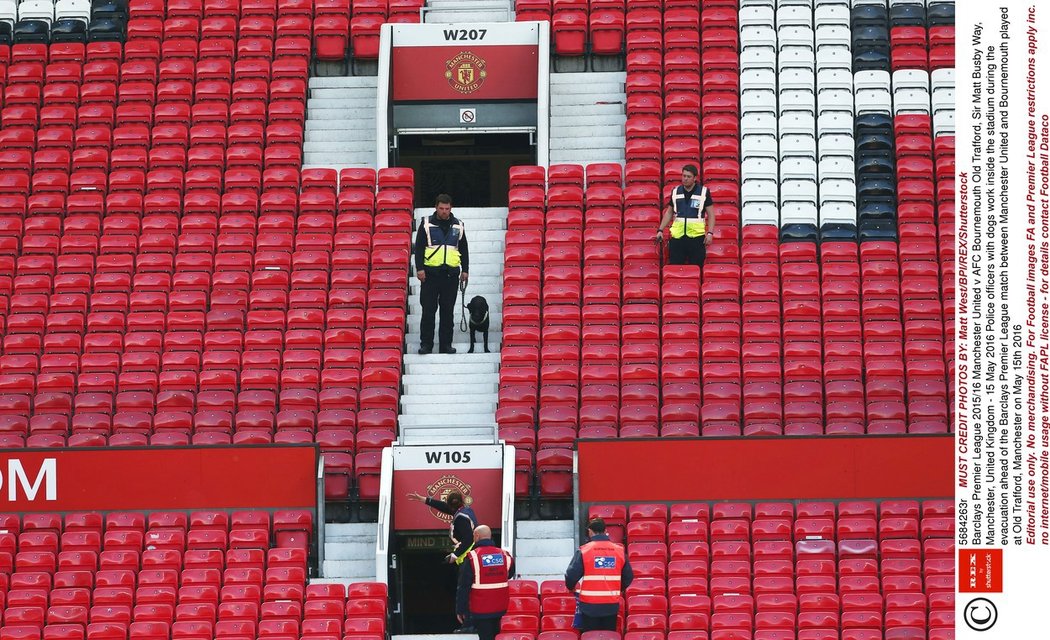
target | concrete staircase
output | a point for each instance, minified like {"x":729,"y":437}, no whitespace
{"x":452,"y":397}
{"x":588,"y":114}
{"x":543,"y":549}
{"x":349,"y":553}
{"x":468,"y":11}
{"x":341,"y":122}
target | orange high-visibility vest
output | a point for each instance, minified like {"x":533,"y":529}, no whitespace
{"x":490,"y":591}
{"x":603,"y":562}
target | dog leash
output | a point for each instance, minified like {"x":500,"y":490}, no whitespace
{"x":463,"y":306}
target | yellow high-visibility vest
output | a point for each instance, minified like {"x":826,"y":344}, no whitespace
{"x":442,"y":246}
{"x":689,"y":218}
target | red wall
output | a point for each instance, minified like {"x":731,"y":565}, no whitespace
{"x":765,"y":468}
{"x":265,"y":477}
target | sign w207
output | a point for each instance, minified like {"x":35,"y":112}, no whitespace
{"x":465,"y":34}
{"x":448,"y":457}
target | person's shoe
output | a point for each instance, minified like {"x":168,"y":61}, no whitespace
{"x":448,"y":350}
{"x":467,"y":628}
{"x":425,"y":350}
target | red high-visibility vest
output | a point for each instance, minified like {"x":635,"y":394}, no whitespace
{"x":490,"y":591}
{"x":602,"y":565}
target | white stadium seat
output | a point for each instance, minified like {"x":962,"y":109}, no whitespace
{"x":911,"y":79}
{"x":834,"y":79}
{"x":759,"y":168}
{"x":765,"y":213}
{"x":834,"y":100}
{"x":796,"y":37}
{"x":73,"y":9}
{"x":794,"y":16}
{"x":764,"y":123}
{"x":944,"y":122}
{"x":837,"y":168}
{"x":756,"y":17}
{"x":758,"y":78}
{"x":37,"y":10}
{"x":798,"y":169}
{"x":798,"y":145}
{"x":759,"y":190}
{"x":8,"y":11}
{"x":758,"y":146}
{"x":799,"y":191}
{"x":834,"y":122}
{"x":838,"y":190}
{"x":834,"y":57}
{"x":942,"y":78}
{"x":831,"y":14}
{"x":797,"y":123}
{"x":911,"y":101}
{"x":833,"y":36}
{"x":836,"y":145}
{"x":758,"y":101}
{"x":797,"y":212}
{"x":798,"y":79}
{"x":838,"y":213}
{"x":872,"y":92}
{"x":943,"y":99}
{"x":796,"y":58}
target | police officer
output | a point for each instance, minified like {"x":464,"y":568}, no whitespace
{"x":441,"y":263}
{"x":483,"y":592}
{"x":694,"y":220}
{"x":463,"y":522}
{"x":601,"y":570}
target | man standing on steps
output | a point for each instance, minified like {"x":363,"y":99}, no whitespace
{"x":442,"y":262}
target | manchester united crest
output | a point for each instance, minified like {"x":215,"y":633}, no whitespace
{"x":465,"y":72}
{"x":440,"y":489}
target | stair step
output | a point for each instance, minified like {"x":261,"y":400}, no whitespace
{"x":545,"y":529}
{"x":603,"y":108}
{"x":445,"y":405}
{"x":459,"y":368}
{"x":362,"y":82}
{"x":455,"y":420}
{"x":360,"y":569}
{"x":431,"y":389}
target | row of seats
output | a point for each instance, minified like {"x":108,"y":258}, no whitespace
{"x":165,"y":575}
{"x":169,"y":274}
{"x":46,"y":21}
{"x":710,"y":578}
{"x":344,"y":29}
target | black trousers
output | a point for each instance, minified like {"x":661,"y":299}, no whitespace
{"x":603,"y":623}
{"x":687,"y":250}
{"x":438,"y":292}
{"x":488,"y":628}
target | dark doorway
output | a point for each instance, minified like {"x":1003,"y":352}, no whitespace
{"x":472,"y":168}
{"x":428,"y":585}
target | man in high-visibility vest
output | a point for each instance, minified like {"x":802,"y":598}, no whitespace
{"x":691,"y":216}
{"x":600,"y":573}
{"x":483,"y":592}
{"x":442,"y":262}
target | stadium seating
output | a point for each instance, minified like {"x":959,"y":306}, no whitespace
{"x":826,"y":304}
{"x":206,"y":574}
{"x":168,"y":272}
{"x":772,"y":570}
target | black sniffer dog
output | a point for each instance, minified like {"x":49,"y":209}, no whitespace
{"x":479,"y":320}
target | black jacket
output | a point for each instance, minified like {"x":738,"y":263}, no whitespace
{"x":421,"y":242}
{"x":463,"y":523}
{"x":574,"y":573}
{"x":466,"y":580}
